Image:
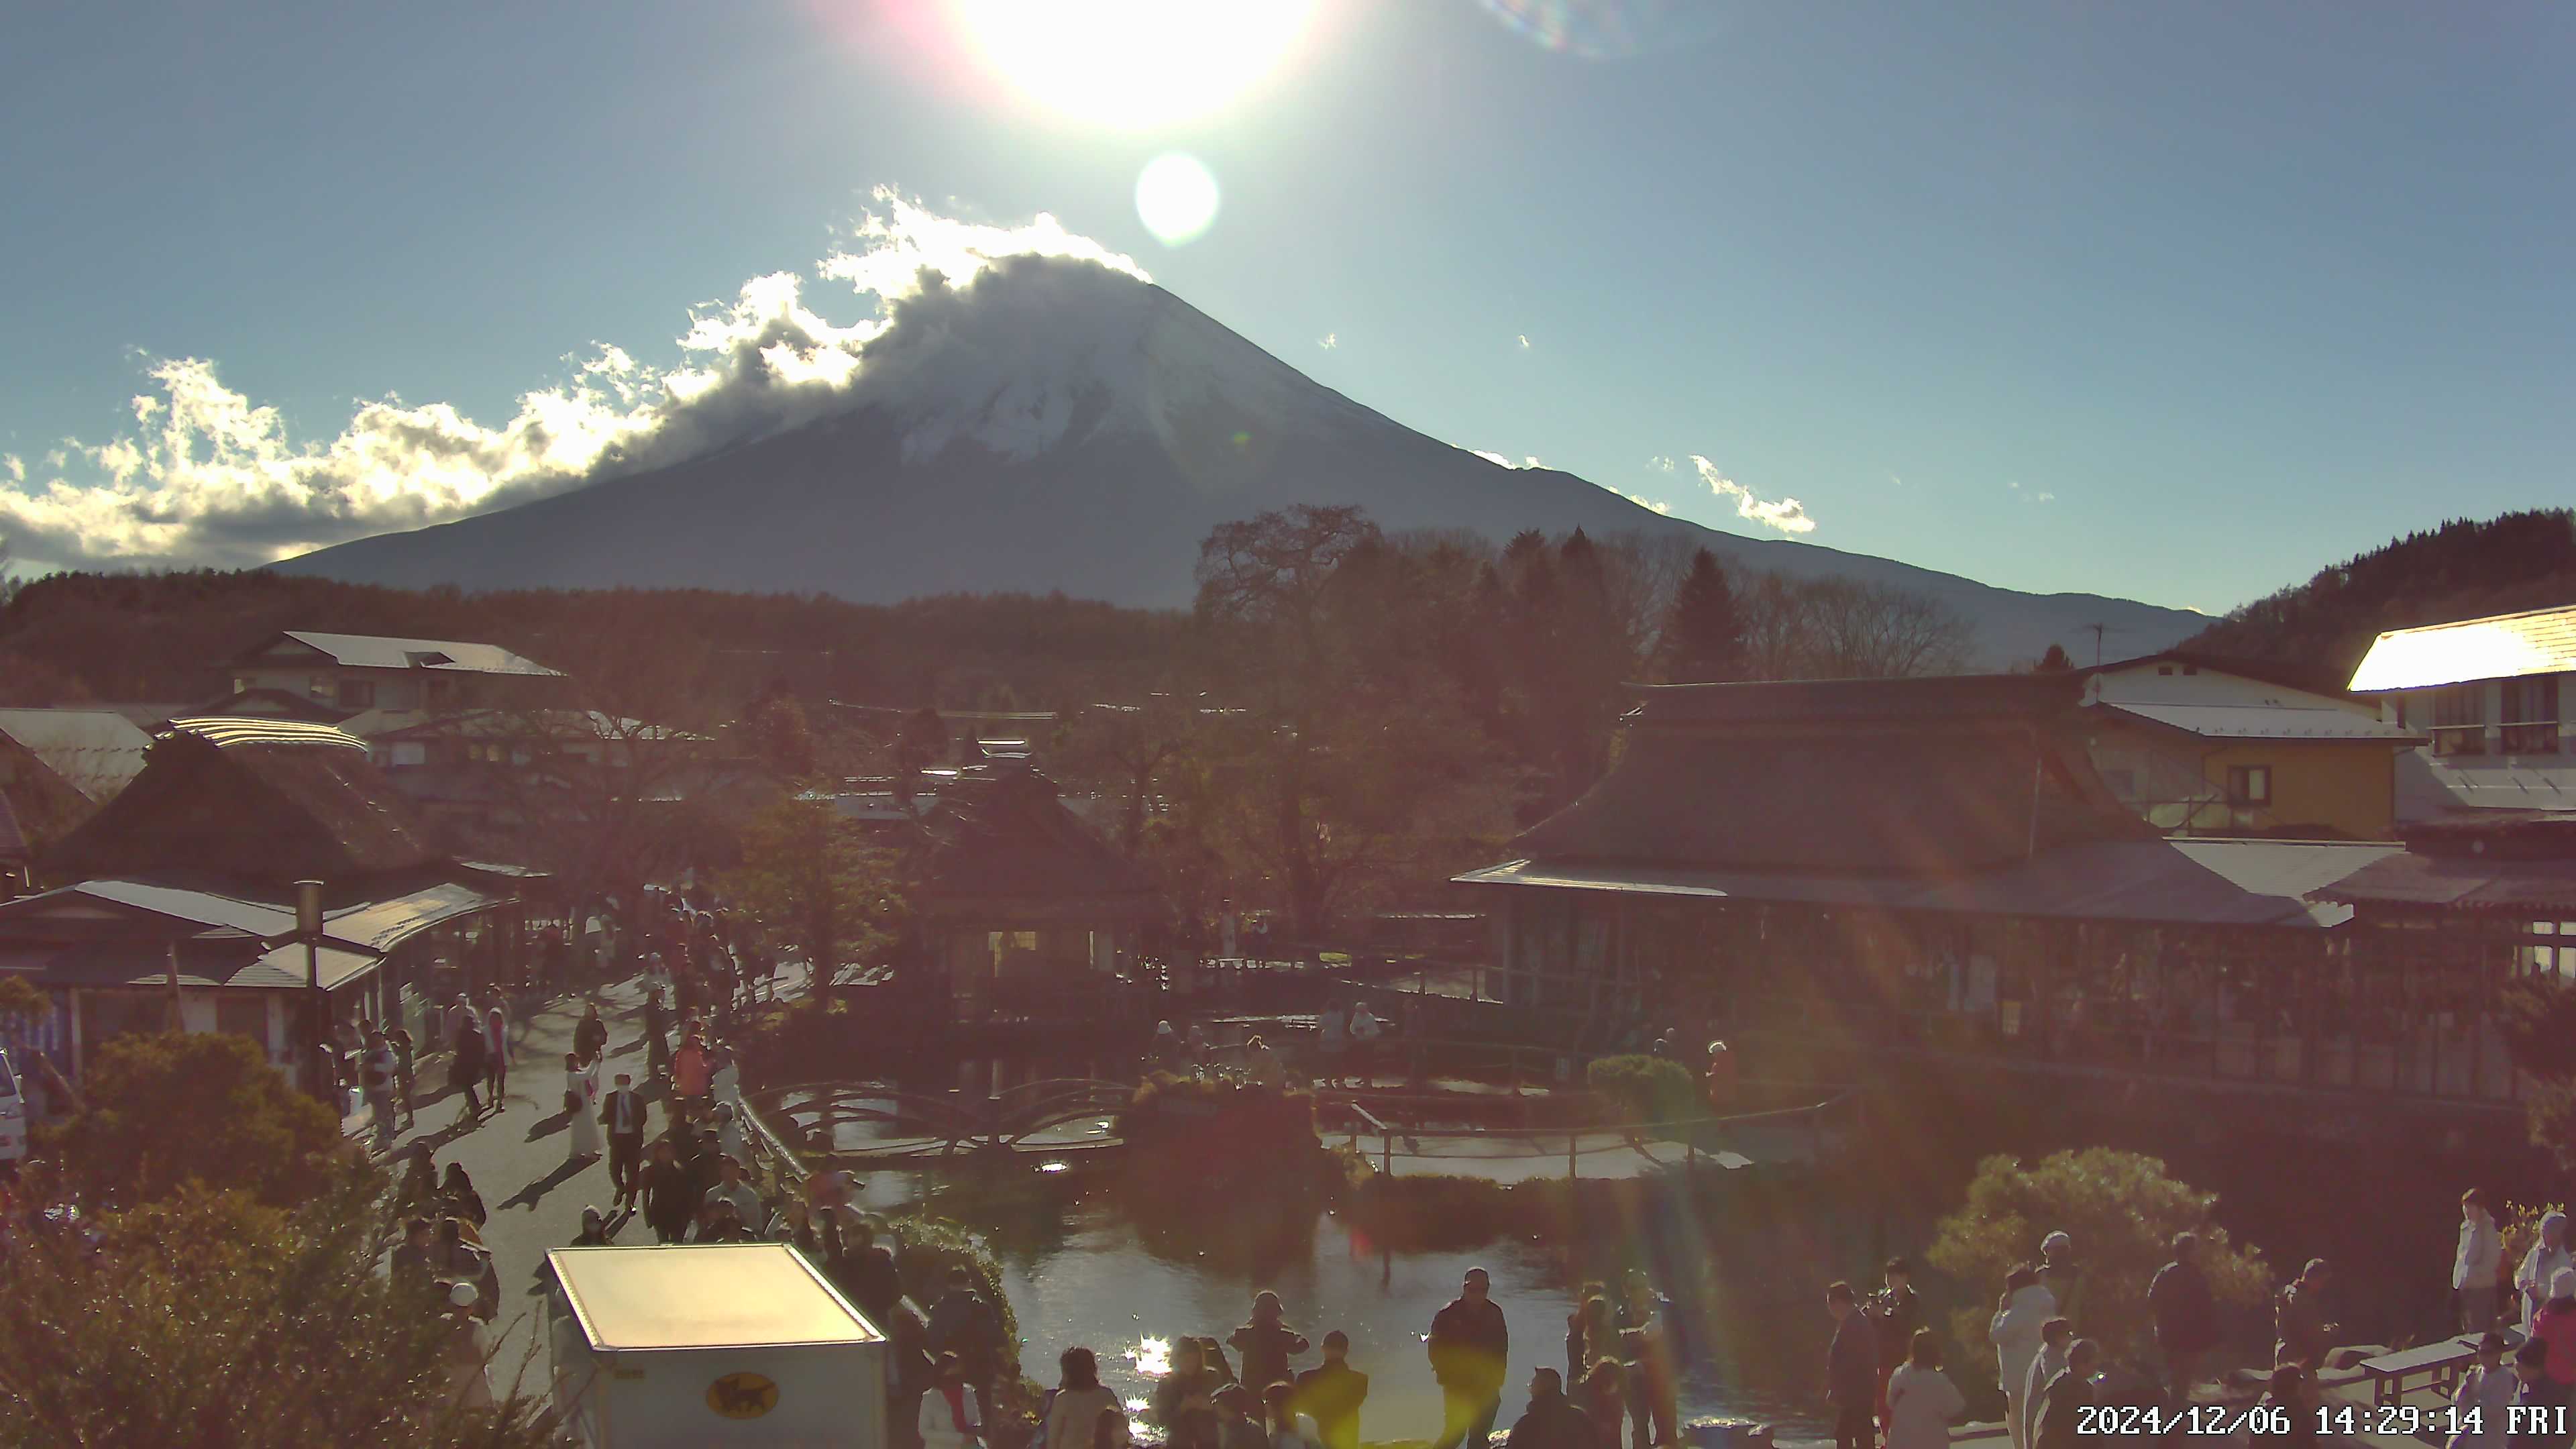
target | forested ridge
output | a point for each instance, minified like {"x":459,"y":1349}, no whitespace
{"x":2464,"y":569}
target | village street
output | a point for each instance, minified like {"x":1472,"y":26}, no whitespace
{"x":532,"y":1193}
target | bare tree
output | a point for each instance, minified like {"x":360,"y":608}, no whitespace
{"x":1843,"y":629}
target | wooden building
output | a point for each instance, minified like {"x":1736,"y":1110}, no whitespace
{"x":1027,"y":913}
{"x":179,"y":898}
{"x":1934,"y":865}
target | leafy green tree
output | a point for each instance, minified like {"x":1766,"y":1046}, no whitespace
{"x":808,"y":874}
{"x":164,"y":1111}
{"x":211,"y":1321}
{"x":2054,"y":661}
{"x":1702,"y":641}
{"x":2121,"y":1210}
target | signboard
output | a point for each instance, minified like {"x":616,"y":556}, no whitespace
{"x":742,"y":1396}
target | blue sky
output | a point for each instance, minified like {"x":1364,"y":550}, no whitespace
{"x":2240,"y":288}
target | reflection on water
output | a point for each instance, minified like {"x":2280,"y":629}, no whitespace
{"x":1081,"y":1270}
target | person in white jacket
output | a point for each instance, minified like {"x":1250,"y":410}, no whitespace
{"x":2015,"y":1333}
{"x":1922,"y":1403}
{"x":948,"y":1417}
{"x":2056,"y":1341}
{"x":2473,"y":1267}
{"x":2541,"y":1264}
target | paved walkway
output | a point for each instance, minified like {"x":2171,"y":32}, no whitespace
{"x":532,"y":1193}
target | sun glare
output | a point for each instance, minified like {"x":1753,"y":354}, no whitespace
{"x":1133,"y":63}
{"x":1176,"y":198}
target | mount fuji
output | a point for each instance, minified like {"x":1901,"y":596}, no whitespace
{"x":1046,"y":427}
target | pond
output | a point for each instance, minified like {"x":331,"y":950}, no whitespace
{"x":1080,"y":1268}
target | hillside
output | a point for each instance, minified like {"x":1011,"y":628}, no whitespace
{"x":2462,"y":570}
{"x":1051,"y":429}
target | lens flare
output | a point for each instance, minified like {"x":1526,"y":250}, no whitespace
{"x":1132,"y":63}
{"x":1176,"y":198}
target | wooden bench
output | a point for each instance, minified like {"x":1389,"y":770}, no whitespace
{"x":2436,"y":1364}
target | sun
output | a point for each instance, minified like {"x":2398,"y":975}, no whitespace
{"x":1133,"y":63}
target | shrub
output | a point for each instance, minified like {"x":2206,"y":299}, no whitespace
{"x":164,"y":1110}
{"x":207,"y":1319}
{"x":2121,"y":1210}
{"x":1192,"y":1131}
{"x":931,"y":1245}
{"x":1647,"y":1089}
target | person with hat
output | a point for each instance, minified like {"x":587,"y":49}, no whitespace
{"x":468,"y":1349}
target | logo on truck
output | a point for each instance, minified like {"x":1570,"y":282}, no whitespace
{"x":742,"y":1396}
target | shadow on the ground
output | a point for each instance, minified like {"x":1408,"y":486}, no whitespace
{"x":549,"y":1126}
{"x":529,"y":1195}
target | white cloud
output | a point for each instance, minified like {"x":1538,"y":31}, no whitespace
{"x":1329,"y":341}
{"x":14,"y":466}
{"x":1788,"y":515}
{"x":1528,"y":460}
{"x":1895,"y":481}
{"x":2013,"y":486}
{"x":1524,"y":337}
{"x":207,"y":476}
{"x":1641,"y":502}
{"x":2047,"y":498}
{"x":1660,"y":464}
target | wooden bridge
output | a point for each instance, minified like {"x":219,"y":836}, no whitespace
{"x":876,"y":1124}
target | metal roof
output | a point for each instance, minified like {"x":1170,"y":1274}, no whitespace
{"x":385,"y":924}
{"x":2463,"y":883}
{"x":282,"y":967}
{"x":95,"y":750}
{"x":2502,"y":646}
{"x":228,"y":731}
{"x":203,"y":908}
{"x":2268,"y":722}
{"x":704,"y":1295}
{"x":2154,"y":882}
{"x":372,"y":651}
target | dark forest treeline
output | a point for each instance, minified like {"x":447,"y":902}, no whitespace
{"x":2462,"y":570}
{"x":166,"y":638}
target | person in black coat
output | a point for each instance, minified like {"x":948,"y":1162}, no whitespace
{"x":465,"y":1066}
{"x":1851,"y":1370}
{"x":1470,"y":1346}
{"x":2058,"y":1422}
{"x":1552,"y":1421}
{"x":1332,"y":1394}
{"x":2186,"y":1314}
{"x":671,"y":1194}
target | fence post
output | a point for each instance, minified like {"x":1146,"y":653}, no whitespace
{"x":1570,"y":1140}
{"x":1387,"y":1161}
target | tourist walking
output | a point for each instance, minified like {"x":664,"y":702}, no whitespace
{"x":948,"y":1418}
{"x":465,"y":1064}
{"x":496,"y":1035}
{"x":467,"y":1350}
{"x":581,"y":1109}
{"x":1266,"y":1343}
{"x":1470,"y":1347}
{"x":1851,"y":1370}
{"x":1185,"y":1399}
{"x":1073,"y":1414}
{"x":2475,"y":1264}
{"x":2537,"y":1400}
{"x":2185,"y":1313}
{"x":590,"y":1035}
{"x":2056,"y":1341}
{"x":2059,"y":1421}
{"x":670,"y":1195}
{"x":2484,"y":1395}
{"x":1331,"y":1394}
{"x":1895,"y":1312}
{"x":657,"y":1032}
{"x":1645,"y":1339}
{"x":623,"y":1114}
{"x":2540,"y":1265}
{"x":962,"y":1323}
{"x":732,"y":1189}
{"x":2014,"y":1332}
{"x":1922,"y":1403}
{"x":376,"y":1079}
{"x":2304,"y":1332}
{"x":1552,"y":1421}
{"x":405,"y":1066}
{"x":2555,"y":1325}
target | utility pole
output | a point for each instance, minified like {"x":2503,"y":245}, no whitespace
{"x":308,"y":925}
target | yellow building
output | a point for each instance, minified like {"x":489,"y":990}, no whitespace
{"x":2203,"y":746}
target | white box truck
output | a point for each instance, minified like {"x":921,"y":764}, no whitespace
{"x":711,"y":1344}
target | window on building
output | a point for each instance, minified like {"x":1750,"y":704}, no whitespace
{"x":2460,"y":720}
{"x":2530,"y":715}
{"x":408,"y":753}
{"x":357,"y":694}
{"x":2249,"y":784}
{"x":319,"y":686}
